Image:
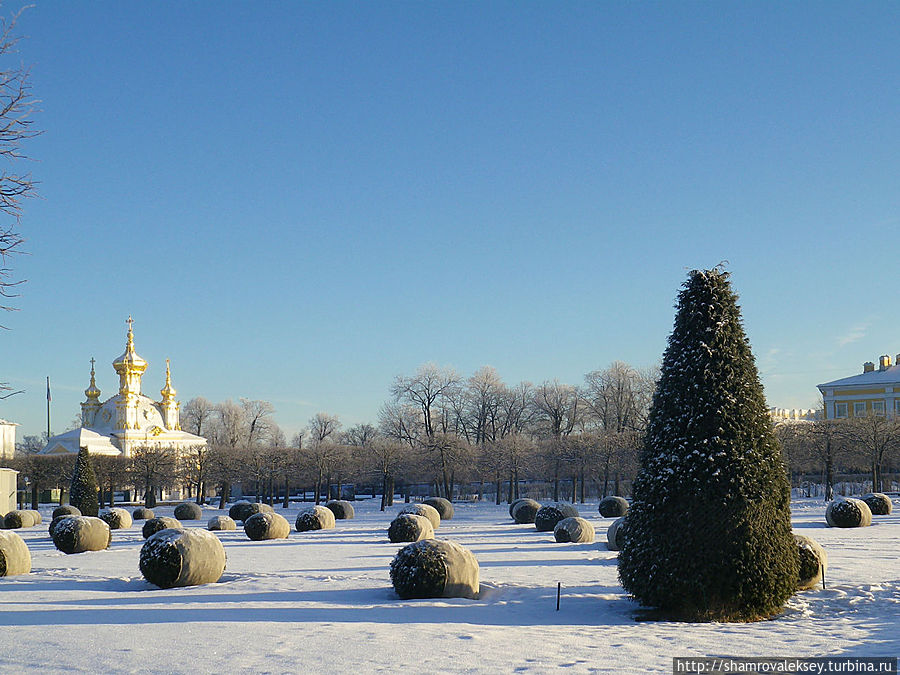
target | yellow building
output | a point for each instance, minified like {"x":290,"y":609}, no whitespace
{"x":875,"y":391}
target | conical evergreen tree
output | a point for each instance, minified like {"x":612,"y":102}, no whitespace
{"x":83,"y":490}
{"x":708,"y":535}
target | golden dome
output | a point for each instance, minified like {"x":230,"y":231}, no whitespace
{"x":130,"y":361}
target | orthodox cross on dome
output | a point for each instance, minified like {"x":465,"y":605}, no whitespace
{"x":92,"y":392}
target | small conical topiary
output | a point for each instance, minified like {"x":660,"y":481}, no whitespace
{"x":708,"y":535}
{"x":83,"y":490}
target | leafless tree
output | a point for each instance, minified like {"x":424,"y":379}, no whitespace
{"x":876,"y":437}
{"x":152,"y":467}
{"x":558,"y":409}
{"x":197,"y":416}
{"x":322,"y":446}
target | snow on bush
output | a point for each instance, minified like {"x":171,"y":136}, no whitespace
{"x":613,"y":507}
{"x":116,"y":518}
{"x":314,"y":518}
{"x":182,"y":558}
{"x":66,"y":510}
{"x":424,"y":510}
{"x":575,"y":530}
{"x":157,"y":523}
{"x":435,"y":568}
{"x":614,"y":534}
{"x":56,"y":521}
{"x":221,"y":523}
{"x":242,"y":510}
{"x":15,"y":558}
{"x":879,"y":504}
{"x":77,"y":534}
{"x":410,"y":527}
{"x":342,"y":510}
{"x":813,"y":562}
{"x":443,"y":506}
{"x":142,"y":513}
{"x":549,"y":515}
{"x":262,"y":526}
{"x":17,"y":519}
{"x":188,"y":511}
{"x":513,"y":504}
{"x":523,"y":511}
{"x":848,"y":513}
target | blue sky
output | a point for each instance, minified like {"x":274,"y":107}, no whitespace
{"x":299,"y":201}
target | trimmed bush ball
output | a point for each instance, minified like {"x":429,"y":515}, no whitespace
{"x":410,"y":527}
{"x":315,"y":518}
{"x":221,"y":523}
{"x":154,"y":525}
{"x":17,"y":519}
{"x":813,"y":562}
{"x":442,"y":506}
{"x":117,"y":519}
{"x":142,"y":513}
{"x":37,"y":516}
{"x":77,"y":534}
{"x":182,"y":558}
{"x":424,"y":510}
{"x":15,"y":558}
{"x":879,"y":504}
{"x":244,"y":509}
{"x":188,"y":511}
{"x":613,"y":507}
{"x":66,"y":510}
{"x":548,"y":516}
{"x":435,"y":568}
{"x":614,"y":534}
{"x":342,"y":510}
{"x":525,"y":510}
{"x":848,"y":513}
{"x":512,"y":505}
{"x":261,"y":526}
{"x":55,"y":522}
{"x":574,"y":530}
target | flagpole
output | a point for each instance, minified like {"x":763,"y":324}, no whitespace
{"x":48,"y":407}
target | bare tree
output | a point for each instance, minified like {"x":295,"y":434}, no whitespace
{"x":876,"y":437}
{"x":153,"y":467}
{"x":558,"y":409}
{"x":197,"y":416}
{"x":322,"y":447}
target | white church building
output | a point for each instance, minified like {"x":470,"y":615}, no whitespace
{"x":127,"y":420}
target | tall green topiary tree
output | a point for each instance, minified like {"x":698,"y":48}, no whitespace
{"x":83,"y":490}
{"x":708,"y":535}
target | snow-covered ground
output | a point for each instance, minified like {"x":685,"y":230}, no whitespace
{"x":322,"y":602}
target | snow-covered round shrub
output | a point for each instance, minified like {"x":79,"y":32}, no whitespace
{"x":574,"y":530}
{"x":435,"y":568}
{"x":77,"y":534}
{"x":116,"y":518}
{"x":15,"y":558}
{"x":37,"y":516}
{"x":17,"y":519}
{"x":614,"y":534}
{"x":143,"y":513}
{"x":243,"y":509}
{"x":613,"y":507}
{"x":550,"y":514}
{"x":424,"y":510}
{"x":157,"y":523}
{"x":188,"y":511}
{"x":410,"y":527}
{"x":314,"y":518}
{"x":182,"y":558}
{"x":512,"y":505}
{"x":848,"y":513}
{"x":342,"y":510}
{"x":525,"y":510}
{"x":261,"y":526}
{"x":55,"y":522}
{"x":443,"y":506}
{"x":879,"y":504}
{"x":221,"y":523}
{"x":813,"y":562}
{"x":66,"y":510}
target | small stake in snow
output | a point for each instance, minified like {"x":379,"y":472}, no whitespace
{"x":558,"y":590}
{"x":822,"y":567}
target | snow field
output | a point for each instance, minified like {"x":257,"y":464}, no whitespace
{"x":323,"y":601}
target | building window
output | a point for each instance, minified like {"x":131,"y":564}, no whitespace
{"x":897,"y":406}
{"x":840,"y":409}
{"x":859,"y":409}
{"x":878,"y":408}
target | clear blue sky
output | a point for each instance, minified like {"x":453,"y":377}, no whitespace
{"x":298,"y":201}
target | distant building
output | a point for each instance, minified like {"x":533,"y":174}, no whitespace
{"x":875,"y":391}
{"x":129,"y":419}
{"x":7,"y":439}
{"x":780,"y":415}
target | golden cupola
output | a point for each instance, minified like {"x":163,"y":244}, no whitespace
{"x":90,"y":407}
{"x":169,"y":406}
{"x":130,"y":366}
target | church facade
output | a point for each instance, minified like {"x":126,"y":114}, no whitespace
{"x":127,"y":420}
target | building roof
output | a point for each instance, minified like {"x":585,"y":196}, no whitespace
{"x":877,"y":377}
